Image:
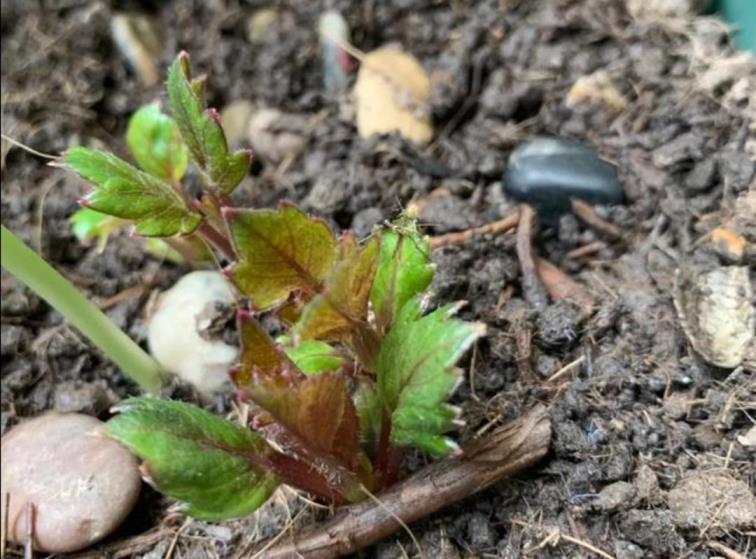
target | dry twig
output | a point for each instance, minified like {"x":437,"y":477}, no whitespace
{"x":461,"y":237}
{"x":532,"y":288}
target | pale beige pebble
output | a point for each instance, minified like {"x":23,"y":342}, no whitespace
{"x":712,"y":500}
{"x":392,"y":94}
{"x":258,"y":24}
{"x":649,"y":9}
{"x":180,"y":336}
{"x":596,"y":89}
{"x":275,"y":135}
{"x":716,"y":312}
{"x":81,"y":484}
{"x":749,"y":439}
{"x":138,"y":41}
{"x":235,"y":120}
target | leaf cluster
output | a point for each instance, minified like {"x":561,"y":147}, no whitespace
{"x":359,"y":370}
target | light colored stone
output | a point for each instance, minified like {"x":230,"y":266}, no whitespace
{"x":716,"y":312}
{"x":650,"y":9}
{"x":274,"y":135}
{"x":392,"y":94}
{"x":235,"y":120}
{"x":80,"y":484}
{"x":714,"y":501}
{"x":138,"y":42}
{"x":180,"y":334}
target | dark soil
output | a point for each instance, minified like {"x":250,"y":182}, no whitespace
{"x":639,"y":420}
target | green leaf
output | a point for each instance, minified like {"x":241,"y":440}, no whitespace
{"x":279,"y":252}
{"x":125,"y":192}
{"x":201,"y":130}
{"x":88,"y":225}
{"x":210,"y":464}
{"x":404,"y":270}
{"x":416,"y":374}
{"x":155,"y":143}
{"x":342,"y":307}
{"x":312,"y":357}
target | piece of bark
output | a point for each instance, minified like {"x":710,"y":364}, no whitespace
{"x":532,"y":288}
{"x":560,"y":286}
{"x":508,"y":450}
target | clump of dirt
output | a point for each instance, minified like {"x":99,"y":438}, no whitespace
{"x":638,"y":417}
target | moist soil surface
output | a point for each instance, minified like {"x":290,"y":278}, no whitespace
{"x":647,"y":459}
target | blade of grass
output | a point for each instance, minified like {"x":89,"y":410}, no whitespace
{"x":45,"y":281}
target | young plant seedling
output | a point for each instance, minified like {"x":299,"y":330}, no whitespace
{"x":360,"y":371}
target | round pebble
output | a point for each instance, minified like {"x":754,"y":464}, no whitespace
{"x":78,"y":485}
{"x":548,"y":173}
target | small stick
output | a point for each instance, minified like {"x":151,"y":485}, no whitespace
{"x":557,"y":534}
{"x":724,"y":550}
{"x":586,"y":250}
{"x":561,"y":286}
{"x":532,"y":288}
{"x":566,"y":369}
{"x":508,"y":450}
{"x":586,"y":213}
{"x":461,"y":237}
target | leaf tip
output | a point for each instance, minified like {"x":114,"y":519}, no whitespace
{"x":214,"y":115}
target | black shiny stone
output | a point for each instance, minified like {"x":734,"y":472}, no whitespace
{"x":547,"y":173}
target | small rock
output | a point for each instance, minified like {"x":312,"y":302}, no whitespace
{"x":259,"y":23}
{"x":558,"y":324}
{"x":685,"y":147}
{"x":235,"y":119}
{"x":728,"y":244}
{"x":90,"y":398}
{"x":702,"y":176}
{"x":713,"y":500}
{"x":596,"y":89}
{"x":654,"y":9}
{"x":139,"y":43}
{"x":647,"y":485}
{"x":676,"y":405}
{"x":627,"y":550}
{"x":617,"y":496}
{"x":446,"y":213}
{"x":715,"y":311}
{"x":81,"y":484}
{"x":275,"y":135}
{"x":177,"y":331}
{"x":392,"y":94}
{"x":547,"y":173}
{"x":480,"y":533}
{"x":329,"y":193}
{"x":749,"y":439}
{"x":737,"y":168}
{"x":652,"y":529}
{"x":364,"y":221}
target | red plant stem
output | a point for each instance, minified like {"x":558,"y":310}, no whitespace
{"x":303,"y":476}
{"x":217,"y":239}
{"x":341,"y":484}
{"x":389,"y":460}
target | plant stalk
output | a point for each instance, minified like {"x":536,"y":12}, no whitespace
{"x":45,"y":281}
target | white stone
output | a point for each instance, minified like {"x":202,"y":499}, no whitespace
{"x":174,"y":331}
